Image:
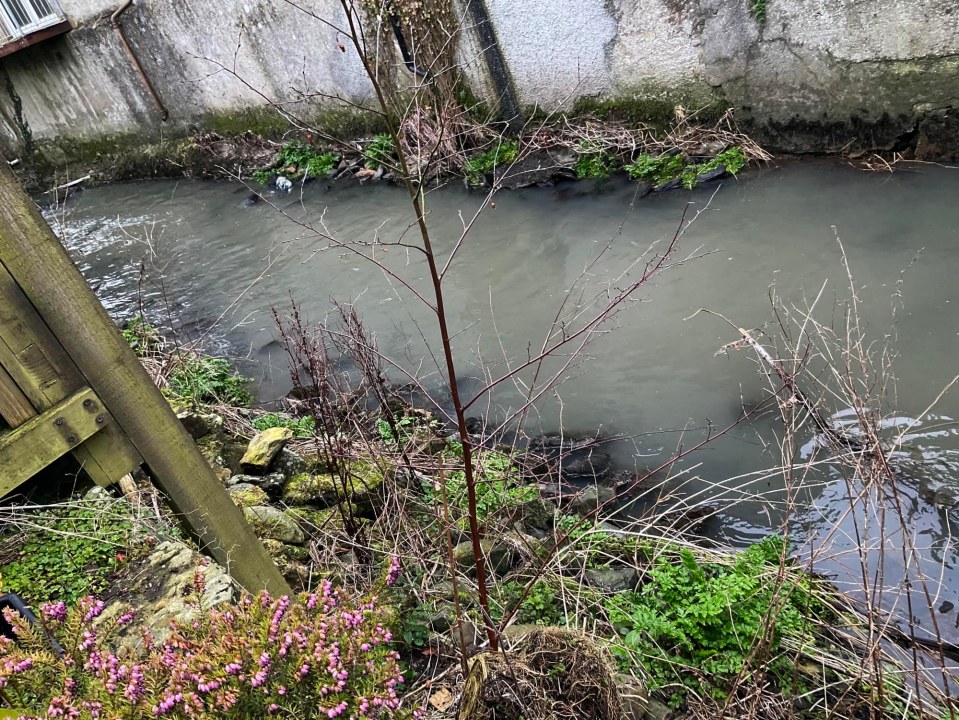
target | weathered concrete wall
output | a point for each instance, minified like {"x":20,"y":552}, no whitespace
{"x":82,"y":86}
{"x":815,"y":75}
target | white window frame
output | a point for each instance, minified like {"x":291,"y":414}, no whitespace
{"x":19,"y":18}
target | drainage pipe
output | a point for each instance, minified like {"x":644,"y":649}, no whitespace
{"x":115,"y":21}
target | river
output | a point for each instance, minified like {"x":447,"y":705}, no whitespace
{"x":196,"y":256}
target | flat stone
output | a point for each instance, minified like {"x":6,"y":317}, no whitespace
{"x":263,"y":448}
{"x":500,"y":556}
{"x":247,"y":495}
{"x":199,"y":423}
{"x":272,"y":483}
{"x":270,"y":522}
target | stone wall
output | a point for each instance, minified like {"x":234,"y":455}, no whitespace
{"x":814,"y":75}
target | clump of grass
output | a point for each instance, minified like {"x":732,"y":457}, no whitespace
{"x":661,"y":169}
{"x":482,"y":164}
{"x":379,"y":151}
{"x":593,"y":162}
{"x":303,"y":427}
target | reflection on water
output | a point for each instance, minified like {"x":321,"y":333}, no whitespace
{"x":193,"y":255}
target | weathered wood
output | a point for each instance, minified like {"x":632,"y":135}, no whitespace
{"x":45,"y":374}
{"x":15,"y":407}
{"x":41,"y":267}
{"x":28,"y":449}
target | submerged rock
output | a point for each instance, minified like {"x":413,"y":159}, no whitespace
{"x":263,"y":448}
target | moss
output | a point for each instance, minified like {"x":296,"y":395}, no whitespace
{"x":249,"y":497}
{"x":261,"y":120}
{"x":655,"y":106}
{"x":321,"y":489}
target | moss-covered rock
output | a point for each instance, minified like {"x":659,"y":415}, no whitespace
{"x":245,"y":495}
{"x":272,"y":523}
{"x":263,"y":448}
{"x":364,"y":485}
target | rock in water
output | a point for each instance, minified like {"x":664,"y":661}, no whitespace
{"x":263,"y":448}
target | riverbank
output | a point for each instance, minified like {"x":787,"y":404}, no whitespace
{"x":683,"y":150}
{"x":371,"y":498}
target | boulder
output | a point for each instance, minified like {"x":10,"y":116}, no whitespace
{"x":159,"y":589}
{"x":270,"y":522}
{"x":324,"y":490}
{"x":613,"y":579}
{"x":199,"y":423}
{"x":263,"y":448}
{"x":501,"y":556}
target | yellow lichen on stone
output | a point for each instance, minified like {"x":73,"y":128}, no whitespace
{"x":263,"y":448}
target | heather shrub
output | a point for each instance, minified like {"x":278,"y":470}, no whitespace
{"x":315,"y":656}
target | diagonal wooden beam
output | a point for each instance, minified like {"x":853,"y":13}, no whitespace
{"x":41,"y":267}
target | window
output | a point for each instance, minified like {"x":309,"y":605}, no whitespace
{"x":22,"y":19}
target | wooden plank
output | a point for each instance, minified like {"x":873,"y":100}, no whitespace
{"x":28,"y":449}
{"x":41,"y":267}
{"x":45,"y":374}
{"x":15,"y":407}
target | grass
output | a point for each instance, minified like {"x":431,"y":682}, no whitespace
{"x":661,"y":169}
{"x":593,"y":162}
{"x":379,"y":151}
{"x":482,"y":164}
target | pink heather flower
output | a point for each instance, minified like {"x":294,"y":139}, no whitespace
{"x":126,"y":618}
{"x":393,"y":573}
{"x":55,"y":612}
{"x":94,"y":608}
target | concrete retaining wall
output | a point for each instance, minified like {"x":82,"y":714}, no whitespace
{"x":815,"y":75}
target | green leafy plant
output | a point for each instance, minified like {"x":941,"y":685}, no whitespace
{"x":541,"y":606}
{"x":593,"y":162}
{"x":302,"y":427}
{"x":656,"y":169}
{"x":68,"y":553}
{"x":660,"y":169}
{"x":261,"y":175}
{"x":693,"y":626}
{"x":379,"y":151}
{"x":481,"y":164}
{"x":141,"y":336}
{"x":498,"y":485}
{"x":302,"y":158}
{"x":415,"y":629}
{"x":758,"y":9}
{"x":199,"y":379}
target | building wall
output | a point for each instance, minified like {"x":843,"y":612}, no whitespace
{"x":813,"y":76}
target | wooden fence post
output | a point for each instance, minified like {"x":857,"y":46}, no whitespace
{"x":40,"y":265}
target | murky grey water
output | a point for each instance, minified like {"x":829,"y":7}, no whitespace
{"x":655,"y":378}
